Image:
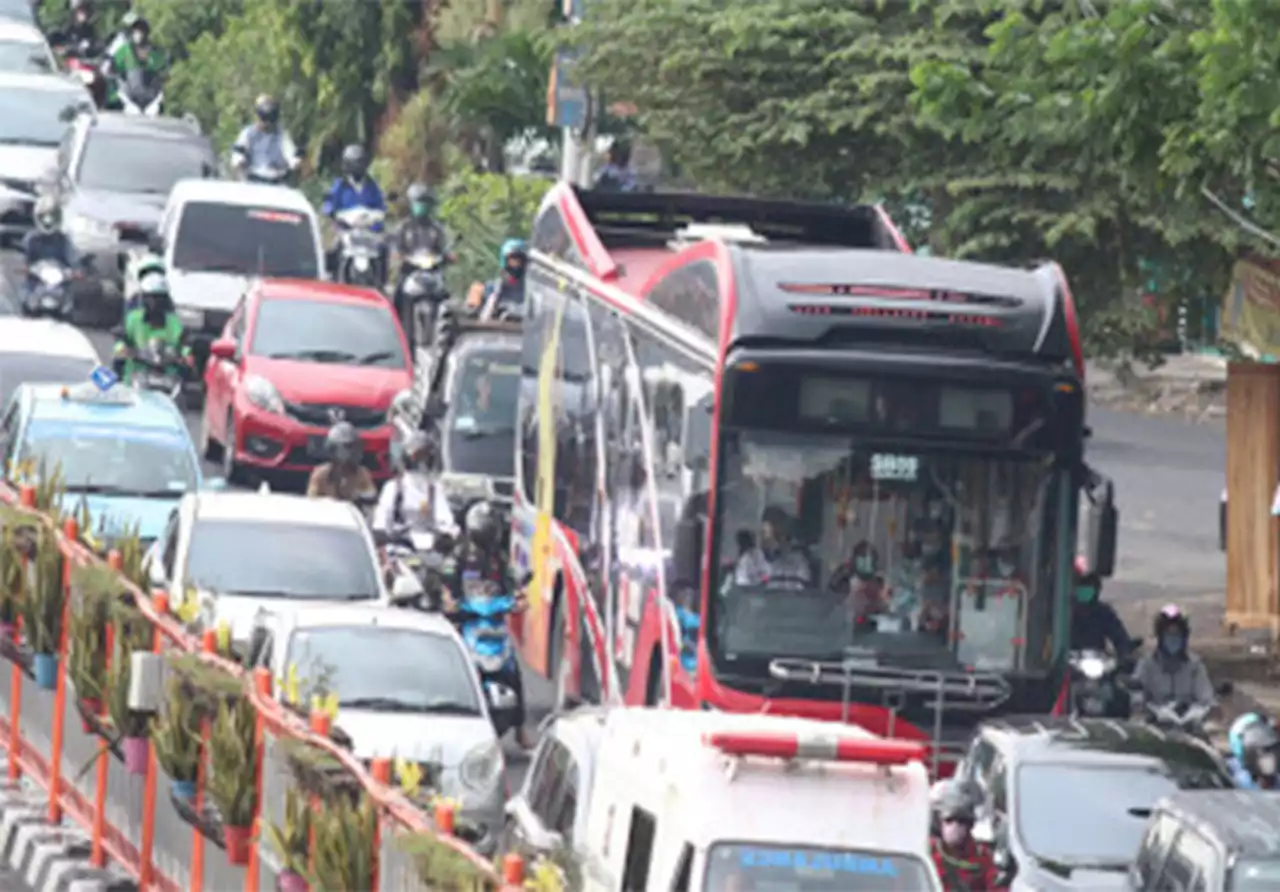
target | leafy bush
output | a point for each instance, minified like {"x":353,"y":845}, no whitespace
{"x":483,"y":210}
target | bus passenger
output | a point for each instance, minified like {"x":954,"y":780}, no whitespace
{"x":776,"y":560}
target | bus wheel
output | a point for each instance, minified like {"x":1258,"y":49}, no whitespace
{"x":654,"y":695}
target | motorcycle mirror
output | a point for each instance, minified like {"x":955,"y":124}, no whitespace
{"x":155,"y":243}
{"x":443,"y":544}
{"x":117,"y":331}
{"x":1225,"y":689}
{"x":392,"y":197}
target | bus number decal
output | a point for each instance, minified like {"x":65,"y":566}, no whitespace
{"x":895,"y":467}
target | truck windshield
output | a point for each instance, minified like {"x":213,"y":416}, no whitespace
{"x":917,"y":558}
{"x":484,"y":389}
{"x":750,"y":867}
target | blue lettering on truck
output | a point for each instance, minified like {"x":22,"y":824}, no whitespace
{"x":816,"y":861}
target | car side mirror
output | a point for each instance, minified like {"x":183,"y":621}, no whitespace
{"x":223,"y":348}
{"x":1226,"y":689}
{"x":405,"y":590}
{"x":1101,"y":522}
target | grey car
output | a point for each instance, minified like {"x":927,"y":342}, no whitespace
{"x":115,"y":173}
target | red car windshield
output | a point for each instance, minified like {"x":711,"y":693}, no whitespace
{"x":329,"y":332}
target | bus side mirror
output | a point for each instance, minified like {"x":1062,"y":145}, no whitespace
{"x":686,"y":557}
{"x":1101,"y":520}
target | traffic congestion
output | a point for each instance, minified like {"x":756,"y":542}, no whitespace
{"x":708,"y":534}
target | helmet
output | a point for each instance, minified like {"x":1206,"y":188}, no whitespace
{"x":355,"y":163}
{"x":421,"y":199}
{"x":955,"y":801}
{"x":266,"y":108}
{"x":139,"y":30}
{"x":1170,"y":616}
{"x":419,"y":451}
{"x":1236,"y":736}
{"x":129,"y":19}
{"x":81,"y":6}
{"x":481,"y":525}
{"x":148,"y":263}
{"x":47,"y":214}
{"x":343,"y":443}
{"x":153,"y":284}
{"x":1258,"y":739}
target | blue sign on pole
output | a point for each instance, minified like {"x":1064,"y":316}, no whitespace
{"x":104,"y":378}
{"x":568,"y":100}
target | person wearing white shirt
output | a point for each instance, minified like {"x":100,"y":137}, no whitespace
{"x":415,"y":498}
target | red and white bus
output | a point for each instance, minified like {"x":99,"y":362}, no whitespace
{"x":768,"y":459}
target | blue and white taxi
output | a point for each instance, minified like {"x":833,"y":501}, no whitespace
{"x":125,"y":453}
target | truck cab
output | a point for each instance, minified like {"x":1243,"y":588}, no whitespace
{"x":693,"y":801}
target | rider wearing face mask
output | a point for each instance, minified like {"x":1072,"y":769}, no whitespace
{"x":1094,"y":623}
{"x":342,"y":477}
{"x":134,"y":54}
{"x":1173,"y":674}
{"x":153,"y":319}
{"x":264,"y":145}
{"x":1254,"y":746}
{"x":775,"y":560}
{"x":415,"y":498}
{"x":47,"y":241}
{"x":505,"y":294}
{"x":82,"y":30}
{"x":962,"y":862}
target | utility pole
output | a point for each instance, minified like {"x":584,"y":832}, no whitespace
{"x":573,"y":111}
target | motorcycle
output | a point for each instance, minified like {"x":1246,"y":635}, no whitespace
{"x":421,"y":283}
{"x":49,"y":290}
{"x":141,"y":93}
{"x":1096,"y":691}
{"x":426,"y":560}
{"x":268,"y":176}
{"x":83,"y":60}
{"x":481,"y":618}
{"x":1185,"y":717}
{"x":158,"y":366}
{"x":360,"y":248}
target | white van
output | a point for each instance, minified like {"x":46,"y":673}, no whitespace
{"x":220,"y":234}
{"x":690,"y":801}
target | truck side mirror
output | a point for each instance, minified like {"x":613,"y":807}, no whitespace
{"x":1101,"y":521}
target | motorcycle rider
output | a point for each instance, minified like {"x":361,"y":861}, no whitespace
{"x":775,"y":556}
{"x":121,"y":37}
{"x":145,"y":265}
{"x":1255,"y":746}
{"x":1173,"y":674}
{"x":154,"y":319}
{"x":617,"y":175}
{"x":481,"y":556}
{"x":415,"y":498}
{"x":506,"y":292}
{"x":963,"y":863}
{"x":82,"y":30}
{"x":135,"y":53}
{"x":1094,"y":623}
{"x":354,"y":189}
{"x":47,"y":241}
{"x":342,"y":476}
{"x":420,"y":233}
{"x":264,"y":144}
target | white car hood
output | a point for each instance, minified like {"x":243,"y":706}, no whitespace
{"x":207,"y":291}
{"x":28,"y":164}
{"x":441,"y":739}
{"x":241,"y":611}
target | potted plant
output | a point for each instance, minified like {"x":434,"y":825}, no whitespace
{"x":232,"y":770}
{"x":13,"y":570}
{"x":292,"y":842}
{"x":343,"y":855}
{"x":441,"y":866}
{"x":92,"y":590}
{"x":133,"y":559}
{"x":42,"y":611}
{"x":130,"y":727}
{"x":175,"y":734}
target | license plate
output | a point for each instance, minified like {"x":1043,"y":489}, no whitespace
{"x":316,"y":448}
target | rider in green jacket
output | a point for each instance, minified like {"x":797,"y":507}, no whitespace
{"x":134,"y":54}
{"x":154,"y":320}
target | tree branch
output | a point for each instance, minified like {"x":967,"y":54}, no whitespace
{"x":1239,"y":219}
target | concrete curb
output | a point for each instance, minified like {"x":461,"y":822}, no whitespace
{"x":49,"y":858}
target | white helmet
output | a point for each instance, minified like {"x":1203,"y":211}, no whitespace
{"x":47,"y":213}
{"x":154,"y":283}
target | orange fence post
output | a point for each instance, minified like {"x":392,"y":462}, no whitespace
{"x":208,"y":645}
{"x":160,"y":600}
{"x":513,"y":870}
{"x":27,"y":496}
{"x":381,"y":769}
{"x":114,"y":560}
{"x":320,"y":722}
{"x":15,"y":708}
{"x":262,"y":685}
{"x":97,"y":854}
{"x":71,"y":531}
{"x":444,"y":818}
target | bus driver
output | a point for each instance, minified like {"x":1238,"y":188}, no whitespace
{"x":776,"y":561}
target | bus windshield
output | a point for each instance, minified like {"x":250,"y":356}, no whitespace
{"x":932,"y":559}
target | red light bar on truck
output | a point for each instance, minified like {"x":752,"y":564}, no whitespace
{"x":823,"y":747}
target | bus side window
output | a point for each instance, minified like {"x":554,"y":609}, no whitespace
{"x":635,"y":874}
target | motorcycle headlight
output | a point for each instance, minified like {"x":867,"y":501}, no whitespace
{"x":263,"y":394}
{"x":191,"y":318}
{"x":1092,"y":667}
{"x":88,"y":227}
{"x":482,"y":767}
{"x":361,"y":263}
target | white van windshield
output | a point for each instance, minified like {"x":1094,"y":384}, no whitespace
{"x":247,"y":241}
{"x":752,"y":867}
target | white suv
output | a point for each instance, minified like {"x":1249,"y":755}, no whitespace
{"x":244,"y":553}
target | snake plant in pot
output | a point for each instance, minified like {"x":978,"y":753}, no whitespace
{"x":130,"y":727}
{"x":92,"y":591}
{"x":175,"y":733}
{"x":232,"y":774}
{"x":344,"y":832}
{"x":14,"y":581}
{"x":291,"y":842}
{"x":42,"y":611}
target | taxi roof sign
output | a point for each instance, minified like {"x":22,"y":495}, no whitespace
{"x":104,"y":378}
{"x":92,"y":391}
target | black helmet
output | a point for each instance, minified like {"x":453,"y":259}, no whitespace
{"x":140,"y":27}
{"x":1170,"y":616}
{"x":481,"y":525}
{"x":1256,"y":739}
{"x":84,"y":6}
{"x":355,"y":163}
{"x":956,"y":801}
{"x":267,"y":108}
{"x":343,"y":443}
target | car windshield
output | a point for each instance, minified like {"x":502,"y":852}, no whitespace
{"x":134,"y":163}
{"x":18,"y":10}
{"x":282,"y":560}
{"x":483,"y":390}
{"x":751,"y":867}
{"x":1255,"y":874}
{"x":112,"y":458}
{"x":39,"y":117}
{"x":1094,"y":815}
{"x":25,"y":57}
{"x":386,"y":669}
{"x":924,"y":559}
{"x":247,"y":241}
{"x":329,"y":332}
{"x":40,"y":368}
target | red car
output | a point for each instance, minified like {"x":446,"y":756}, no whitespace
{"x":296,"y":357}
